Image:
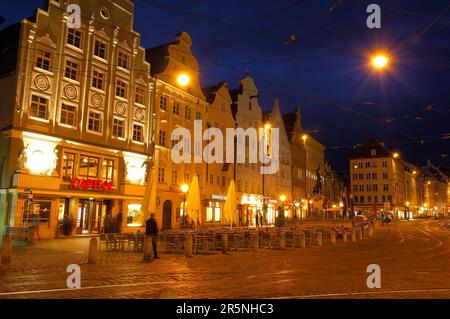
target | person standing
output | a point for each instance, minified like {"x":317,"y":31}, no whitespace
{"x":151,"y":230}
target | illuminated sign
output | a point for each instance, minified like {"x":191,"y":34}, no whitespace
{"x":91,"y":184}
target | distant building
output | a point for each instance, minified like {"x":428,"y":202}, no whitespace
{"x":436,"y":190}
{"x":381,"y":181}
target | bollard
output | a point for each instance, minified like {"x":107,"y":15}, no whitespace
{"x":345,"y":237}
{"x":319,"y":238}
{"x":224,"y":243}
{"x":371,"y":229}
{"x":6,"y":250}
{"x":148,"y":249}
{"x":333,"y":237}
{"x":302,"y":239}
{"x":255,"y":243}
{"x":168,"y":293}
{"x":281,"y":240}
{"x":93,"y":251}
{"x":189,"y":246}
{"x":354,"y":235}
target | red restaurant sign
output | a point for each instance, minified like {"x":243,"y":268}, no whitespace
{"x":93,"y":184}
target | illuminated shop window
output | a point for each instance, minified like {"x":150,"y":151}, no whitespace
{"x":135,"y":215}
{"x":108,"y":170}
{"x":88,"y":167}
{"x":68,"y":163}
{"x":37,"y":214}
{"x":213,"y":212}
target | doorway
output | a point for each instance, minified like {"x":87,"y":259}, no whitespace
{"x":167,"y":215}
{"x":91,"y":214}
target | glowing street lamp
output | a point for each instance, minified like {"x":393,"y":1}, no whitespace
{"x":304,"y":137}
{"x":396,"y":155}
{"x":183,"y":79}
{"x":380,"y":61}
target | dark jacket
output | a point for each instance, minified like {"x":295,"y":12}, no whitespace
{"x":151,"y":228}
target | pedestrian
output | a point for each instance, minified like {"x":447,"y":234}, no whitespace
{"x":256,"y":220}
{"x":151,"y":231}
{"x":35,"y":223}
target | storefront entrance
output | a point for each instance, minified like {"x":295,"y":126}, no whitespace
{"x":90,"y":215}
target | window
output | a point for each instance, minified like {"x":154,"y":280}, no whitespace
{"x":163,"y":103}
{"x":176,"y":108}
{"x":355,"y":176}
{"x":369,"y":199}
{"x":187,"y":177}
{"x":118,"y":129}
{"x":356,"y":199}
{"x":367,"y":175}
{"x":161,"y":174}
{"x":198,"y":115}
{"x":238,"y":185}
{"x":368,"y":188}
{"x":39,"y":107}
{"x":39,"y":215}
{"x":108,"y":170}
{"x":375,"y":187}
{"x":135,"y":215}
{"x":367,"y":164}
{"x":374,"y":175}
{"x":94,"y":122}
{"x":68,"y":163}
{"x":121,"y":89}
{"x":88,"y":167}
{"x":355,"y":188}
{"x":100,"y":49}
{"x":122,"y":59}
{"x":43,"y":60}
{"x":97,"y":80}
{"x":211,"y":179}
{"x":361,"y":199}
{"x":71,"y":70}
{"x":360,"y":165}
{"x":384,"y":164}
{"x":390,"y":198}
{"x":224,"y":181}
{"x":162,"y":138}
{"x":68,"y":115}
{"x":361,"y":188}
{"x":213,"y":212}
{"x":361,"y":176}
{"x":373,"y":152}
{"x":385,"y":176}
{"x":140,"y":96}
{"x":386,"y":187}
{"x":187,"y":113}
{"x":138,"y":133}
{"x":174,"y":177}
{"x":74,"y":38}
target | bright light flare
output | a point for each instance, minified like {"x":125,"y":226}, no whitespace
{"x":380,"y":61}
{"x":183,"y":79}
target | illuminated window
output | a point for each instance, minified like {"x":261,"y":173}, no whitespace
{"x":213,"y":212}
{"x":39,"y":107}
{"x":38,"y":214}
{"x":100,"y":49}
{"x":74,"y":38}
{"x":118,"y":130}
{"x":138,"y":133}
{"x":108,"y":169}
{"x":71,"y":70}
{"x":68,"y":115}
{"x":121,"y":89}
{"x":122,"y":59}
{"x":135,"y":215}
{"x":88,"y":167}
{"x":140,"y":96}
{"x":68,"y":164}
{"x":97,"y":80}
{"x":43,"y":60}
{"x":94,"y":122}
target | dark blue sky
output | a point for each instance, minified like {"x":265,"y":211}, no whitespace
{"x":325,"y":71}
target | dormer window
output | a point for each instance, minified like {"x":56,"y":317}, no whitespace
{"x":373,"y":152}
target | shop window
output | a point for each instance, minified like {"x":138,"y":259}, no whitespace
{"x":68,"y":164}
{"x":108,"y":170}
{"x":37,"y":214}
{"x":88,"y":167}
{"x":213,"y":212}
{"x":135,"y":215}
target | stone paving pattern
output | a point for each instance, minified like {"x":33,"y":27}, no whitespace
{"x":414,"y":258}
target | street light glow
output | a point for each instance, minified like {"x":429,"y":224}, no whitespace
{"x":380,"y":61}
{"x":183,"y":79}
{"x":283,"y":198}
{"x":396,"y":155}
{"x":184,"y":188}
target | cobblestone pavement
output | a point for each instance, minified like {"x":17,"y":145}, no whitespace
{"x":414,"y":258}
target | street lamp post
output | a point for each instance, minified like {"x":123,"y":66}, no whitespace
{"x":184,"y":189}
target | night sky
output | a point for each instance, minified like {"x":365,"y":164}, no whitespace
{"x":325,"y":71}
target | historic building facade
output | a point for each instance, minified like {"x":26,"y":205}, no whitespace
{"x":76,"y":120}
{"x":179,"y":103}
{"x":248,"y":114}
